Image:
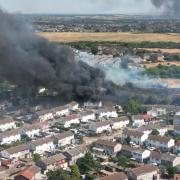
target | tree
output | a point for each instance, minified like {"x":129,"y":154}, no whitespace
{"x":87,"y":163}
{"x":94,"y":50}
{"x":58,"y":174}
{"x":36,"y":158}
{"x":171,"y":171}
{"x":128,"y":140}
{"x":89,"y":177}
{"x":134,"y":107}
{"x":25,"y":138}
{"x":75,"y":171}
{"x":155,"y":132}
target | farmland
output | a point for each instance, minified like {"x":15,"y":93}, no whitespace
{"x":111,"y":37}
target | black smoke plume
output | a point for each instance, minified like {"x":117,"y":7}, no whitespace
{"x":170,"y":7}
{"x":32,"y":61}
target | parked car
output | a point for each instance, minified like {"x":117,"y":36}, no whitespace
{"x":151,"y":148}
{"x":20,"y":165}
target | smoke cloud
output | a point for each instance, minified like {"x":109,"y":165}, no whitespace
{"x":31,"y":61}
{"x":170,"y":7}
{"x":118,"y":71}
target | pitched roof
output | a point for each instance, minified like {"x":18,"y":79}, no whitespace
{"x":106,"y":143}
{"x":144,"y":169}
{"x":42,"y":141}
{"x":177,"y":117}
{"x":107,"y":109}
{"x":29,"y":172}
{"x":168,"y":157}
{"x":53,"y":159}
{"x":147,"y":117}
{"x":36,"y":125}
{"x":132,"y":149}
{"x":73,"y":103}
{"x":70,"y":117}
{"x":102,"y":123}
{"x":73,"y":152}
{"x":63,"y":135}
{"x":9,"y":133}
{"x":155,"y":155}
{"x":178,"y":143}
{"x":86,"y":113}
{"x":163,"y":139}
{"x":133,"y":133}
{"x":43,"y":112}
{"x":137,"y":117}
{"x":115,"y":176}
{"x":119,"y":119}
{"x":177,"y":127}
{"x":6,"y":121}
{"x":60,"y":108}
{"x":17,"y":149}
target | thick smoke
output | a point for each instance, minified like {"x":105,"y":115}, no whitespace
{"x":119,"y":71}
{"x":170,"y":7}
{"x":31,"y":61}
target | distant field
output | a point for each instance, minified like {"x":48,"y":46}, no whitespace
{"x":119,"y":36}
{"x":170,"y":51}
{"x":150,"y":65}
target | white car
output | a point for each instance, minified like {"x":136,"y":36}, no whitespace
{"x":151,"y":148}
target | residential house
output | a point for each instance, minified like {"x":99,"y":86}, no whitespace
{"x":145,"y":172}
{"x":60,"y":111}
{"x":176,"y":177}
{"x":136,"y":137}
{"x":31,"y":130}
{"x":155,"y":158}
{"x":156,"y":57}
{"x":44,"y":115}
{"x":16,"y":153}
{"x":86,"y":116}
{"x":177,"y":130}
{"x":107,"y":113}
{"x":63,"y":139}
{"x":93,"y":104}
{"x":177,"y":147}
{"x":10,"y":136}
{"x":137,"y":153}
{"x":109,"y":147}
{"x":115,"y":176}
{"x":73,"y":106}
{"x":120,"y":122}
{"x":170,"y":160}
{"x":176,"y":120}
{"x":7,"y":124}
{"x":138,"y":120}
{"x":148,"y":119}
{"x":99,"y":127}
{"x":157,"y":110}
{"x":164,"y":159}
{"x":163,"y":143}
{"x":147,"y":129}
{"x":30,"y":173}
{"x":69,"y":120}
{"x":52,"y":162}
{"x":41,"y":146}
{"x":72,"y":155}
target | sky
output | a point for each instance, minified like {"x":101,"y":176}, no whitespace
{"x":79,"y":6}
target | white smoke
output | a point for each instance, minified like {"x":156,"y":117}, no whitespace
{"x":119,"y":75}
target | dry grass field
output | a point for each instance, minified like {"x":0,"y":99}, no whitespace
{"x":119,"y":36}
{"x":170,"y":51}
{"x":150,"y":65}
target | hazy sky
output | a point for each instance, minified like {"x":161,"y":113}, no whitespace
{"x":78,"y":6}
